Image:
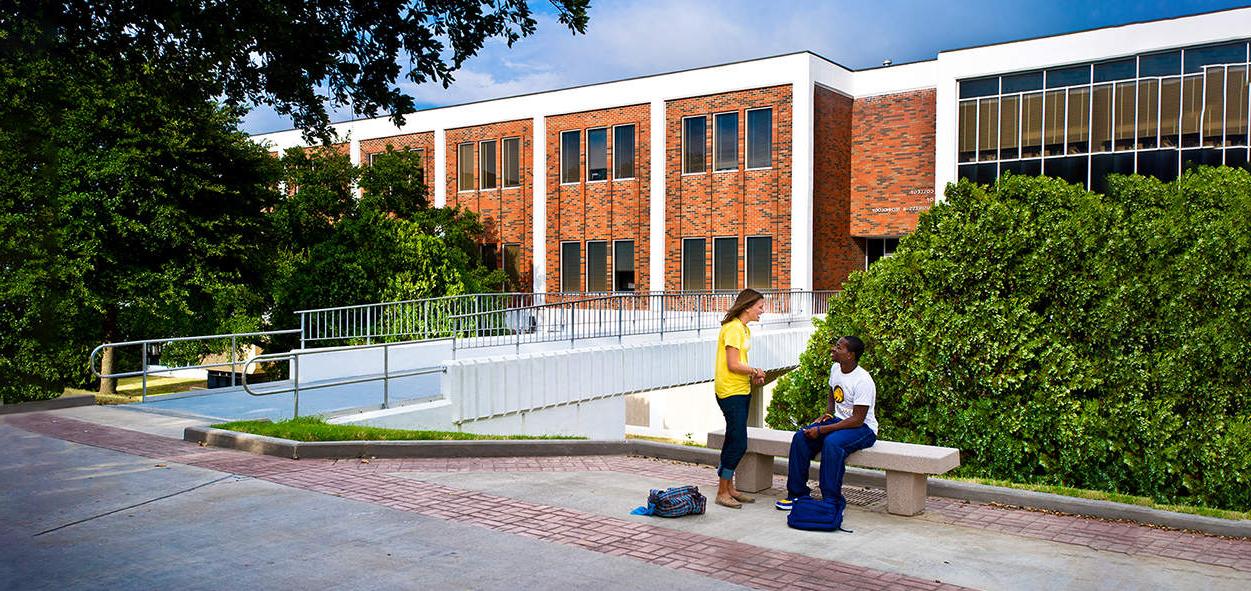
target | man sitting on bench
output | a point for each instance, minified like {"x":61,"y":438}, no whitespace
{"x":847,"y":426}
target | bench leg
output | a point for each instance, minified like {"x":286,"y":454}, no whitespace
{"x":754,"y":473}
{"x":905,"y":493}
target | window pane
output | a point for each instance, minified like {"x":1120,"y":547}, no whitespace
{"x":1101,"y":119}
{"x":1160,"y":64}
{"x":1236,"y":106}
{"x":512,"y":162}
{"x":987,"y":128}
{"x":1161,"y":164}
{"x":464,"y":167}
{"x":725,"y":138}
{"x":1170,"y":112}
{"x":1023,"y":82}
{"x":1071,"y":169}
{"x":1118,"y":70}
{"x":570,"y":266}
{"x":597,"y":154}
{"x":1126,"y":106}
{"x":694,"y":276}
{"x":1031,"y":125}
{"x":1101,"y":165}
{"x":980,"y":87}
{"x":1079,"y":120}
{"x":1009,"y":125}
{"x":512,"y":265}
{"x":488,"y":254}
{"x":760,"y":262}
{"x":623,"y":265}
{"x":570,"y":150}
{"x":1148,"y":112}
{"x":725,"y":263}
{"x":694,"y":136}
{"x":623,"y":152}
{"x":1053,"y":131}
{"x":1191,"y":110}
{"x":760,"y":138}
{"x":1214,"y":107}
{"x":968,"y":131}
{"x":597,"y":266}
{"x":1233,"y":53}
{"x":1068,"y":76}
{"x":486,"y":161}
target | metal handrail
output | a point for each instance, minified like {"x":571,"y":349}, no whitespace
{"x":234,"y":337}
{"x":294,"y":358}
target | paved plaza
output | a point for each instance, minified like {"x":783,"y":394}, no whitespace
{"x":108,"y":498}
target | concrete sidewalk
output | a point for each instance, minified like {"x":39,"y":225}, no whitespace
{"x":107,"y":498}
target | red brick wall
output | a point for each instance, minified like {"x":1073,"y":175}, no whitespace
{"x":737,"y":203}
{"x":892,"y":162}
{"x":614,"y":209}
{"x":835,"y":253}
{"x":506,"y":212}
{"x":413,"y":141}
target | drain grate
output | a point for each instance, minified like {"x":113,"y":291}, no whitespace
{"x":862,"y":497}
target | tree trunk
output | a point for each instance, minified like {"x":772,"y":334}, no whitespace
{"x":108,"y":386}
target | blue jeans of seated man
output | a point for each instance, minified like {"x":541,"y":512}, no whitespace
{"x":735,"y":410}
{"x":834,"y":448}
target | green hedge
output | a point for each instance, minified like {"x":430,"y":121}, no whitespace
{"x":1058,"y":336}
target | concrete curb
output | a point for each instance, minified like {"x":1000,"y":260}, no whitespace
{"x":50,"y":404}
{"x":938,"y":487}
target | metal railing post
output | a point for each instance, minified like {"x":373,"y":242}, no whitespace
{"x":302,"y":330}
{"x":295,"y":384}
{"x":143,"y":397}
{"x":232,"y":361}
{"x":620,"y":312}
{"x":662,"y":316}
{"x":369,"y":324}
{"x":386,"y":376}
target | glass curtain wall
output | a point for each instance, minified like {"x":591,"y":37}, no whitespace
{"x":1155,"y":114}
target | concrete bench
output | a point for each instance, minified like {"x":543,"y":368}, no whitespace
{"x":906,"y":465}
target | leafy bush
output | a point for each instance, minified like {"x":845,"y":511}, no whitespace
{"x":1063,"y":337}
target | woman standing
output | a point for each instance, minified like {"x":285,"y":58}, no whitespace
{"x":734,"y":380}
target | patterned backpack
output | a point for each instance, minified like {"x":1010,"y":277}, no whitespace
{"x":676,"y":501}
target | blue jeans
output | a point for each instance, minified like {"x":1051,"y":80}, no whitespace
{"x":735,"y":410}
{"x":834,"y":448}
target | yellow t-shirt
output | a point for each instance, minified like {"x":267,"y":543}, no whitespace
{"x":733,"y":334}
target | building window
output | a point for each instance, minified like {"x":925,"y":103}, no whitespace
{"x":623,"y":152}
{"x":725,"y":263}
{"x":511,"y":148}
{"x":1128,"y":115}
{"x":623,"y":265}
{"x":570,"y":266}
{"x":512,"y":265}
{"x":374,"y":156}
{"x":570,"y":144}
{"x":694,"y":265}
{"x":725,"y":141}
{"x":877,"y":249}
{"x":489,"y":254}
{"x":487,"y":165}
{"x":597,"y":265}
{"x":760,"y":262}
{"x":694,"y":145}
{"x":464,"y":167}
{"x":760,"y":138}
{"x":597,"y":154}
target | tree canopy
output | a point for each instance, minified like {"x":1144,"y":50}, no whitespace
{"x":285,"y":54}
{"x":1064,"y":337}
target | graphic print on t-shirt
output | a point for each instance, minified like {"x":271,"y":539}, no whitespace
{"x":838,"y":393}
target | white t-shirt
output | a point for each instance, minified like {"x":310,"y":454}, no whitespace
{"x":851,"y":390}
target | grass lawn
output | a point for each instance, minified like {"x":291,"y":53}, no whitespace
{"x":316,"y":429}
{"x":131,"y":389}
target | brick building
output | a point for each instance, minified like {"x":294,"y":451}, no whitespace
{"x":790,"y":172}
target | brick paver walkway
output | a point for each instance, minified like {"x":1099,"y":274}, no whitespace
{"x":374,"y":481}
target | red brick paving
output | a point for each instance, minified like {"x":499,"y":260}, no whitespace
{"x":373,"y":481}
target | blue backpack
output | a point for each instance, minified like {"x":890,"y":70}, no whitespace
{"x":674,"y":502}
{"x":817,"y":515}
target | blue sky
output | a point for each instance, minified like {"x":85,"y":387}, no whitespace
{"x":629,"y":38}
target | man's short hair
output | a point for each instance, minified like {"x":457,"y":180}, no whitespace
{"x":855,"y":345}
